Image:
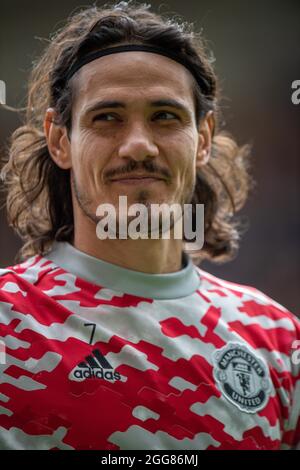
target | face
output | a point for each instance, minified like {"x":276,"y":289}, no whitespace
{"x":134,"y":132}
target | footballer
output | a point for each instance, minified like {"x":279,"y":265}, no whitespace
{"x":127,"y":343}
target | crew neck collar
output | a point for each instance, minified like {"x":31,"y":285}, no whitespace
{"x":156,"y":286}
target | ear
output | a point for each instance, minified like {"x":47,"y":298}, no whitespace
{"x":57,"y":141}
{"x":206,"y":130}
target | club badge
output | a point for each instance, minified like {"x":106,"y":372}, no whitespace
{"x":242,"y":376}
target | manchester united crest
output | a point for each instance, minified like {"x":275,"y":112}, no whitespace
{"x":242,"y":376}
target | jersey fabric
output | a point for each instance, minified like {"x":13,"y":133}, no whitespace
{"x":96,"y":356}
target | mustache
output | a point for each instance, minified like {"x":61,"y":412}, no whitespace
{"x":133,"y":166}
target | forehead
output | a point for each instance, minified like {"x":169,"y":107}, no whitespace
{"x":132,"y":75}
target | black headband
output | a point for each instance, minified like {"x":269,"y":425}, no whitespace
{"x":139,"y":47}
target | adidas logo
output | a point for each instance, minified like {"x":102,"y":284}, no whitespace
{"x":96,"y":367}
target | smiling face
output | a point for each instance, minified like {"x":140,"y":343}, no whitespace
{"x":133,"y":132}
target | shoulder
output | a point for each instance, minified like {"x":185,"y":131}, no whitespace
{"x":24,"y":299}
{"x":245,"y":293}
{"x":24,"y":277}
{"x":248,"y":305}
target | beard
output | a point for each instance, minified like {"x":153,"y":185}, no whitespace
{"x":143,"y":197}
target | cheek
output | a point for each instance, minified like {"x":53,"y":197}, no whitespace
{"x":186,"y":159}
{"x":88,"y":157}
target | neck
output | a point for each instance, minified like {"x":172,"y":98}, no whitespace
{"x":144,"y":255}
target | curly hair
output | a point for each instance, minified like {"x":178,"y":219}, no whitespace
{"x":38,"y":201}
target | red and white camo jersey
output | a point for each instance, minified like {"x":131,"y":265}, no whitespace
{"x":86,"y":365}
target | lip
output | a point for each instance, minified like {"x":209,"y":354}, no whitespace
{"x":137,"y":180}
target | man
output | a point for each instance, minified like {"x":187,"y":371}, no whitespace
{"x":124,"y":343}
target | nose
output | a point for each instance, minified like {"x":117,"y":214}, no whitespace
{"x":138,"y":143}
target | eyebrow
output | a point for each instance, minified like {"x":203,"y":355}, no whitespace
{"x":172,"y":103}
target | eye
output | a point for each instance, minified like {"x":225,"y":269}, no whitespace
{"x":103,"y":116}
{"x":166,"y":113}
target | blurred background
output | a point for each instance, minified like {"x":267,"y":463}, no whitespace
{"x":257,"y":49}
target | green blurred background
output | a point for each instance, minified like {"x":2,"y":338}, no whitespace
{"x":257,"y":49}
